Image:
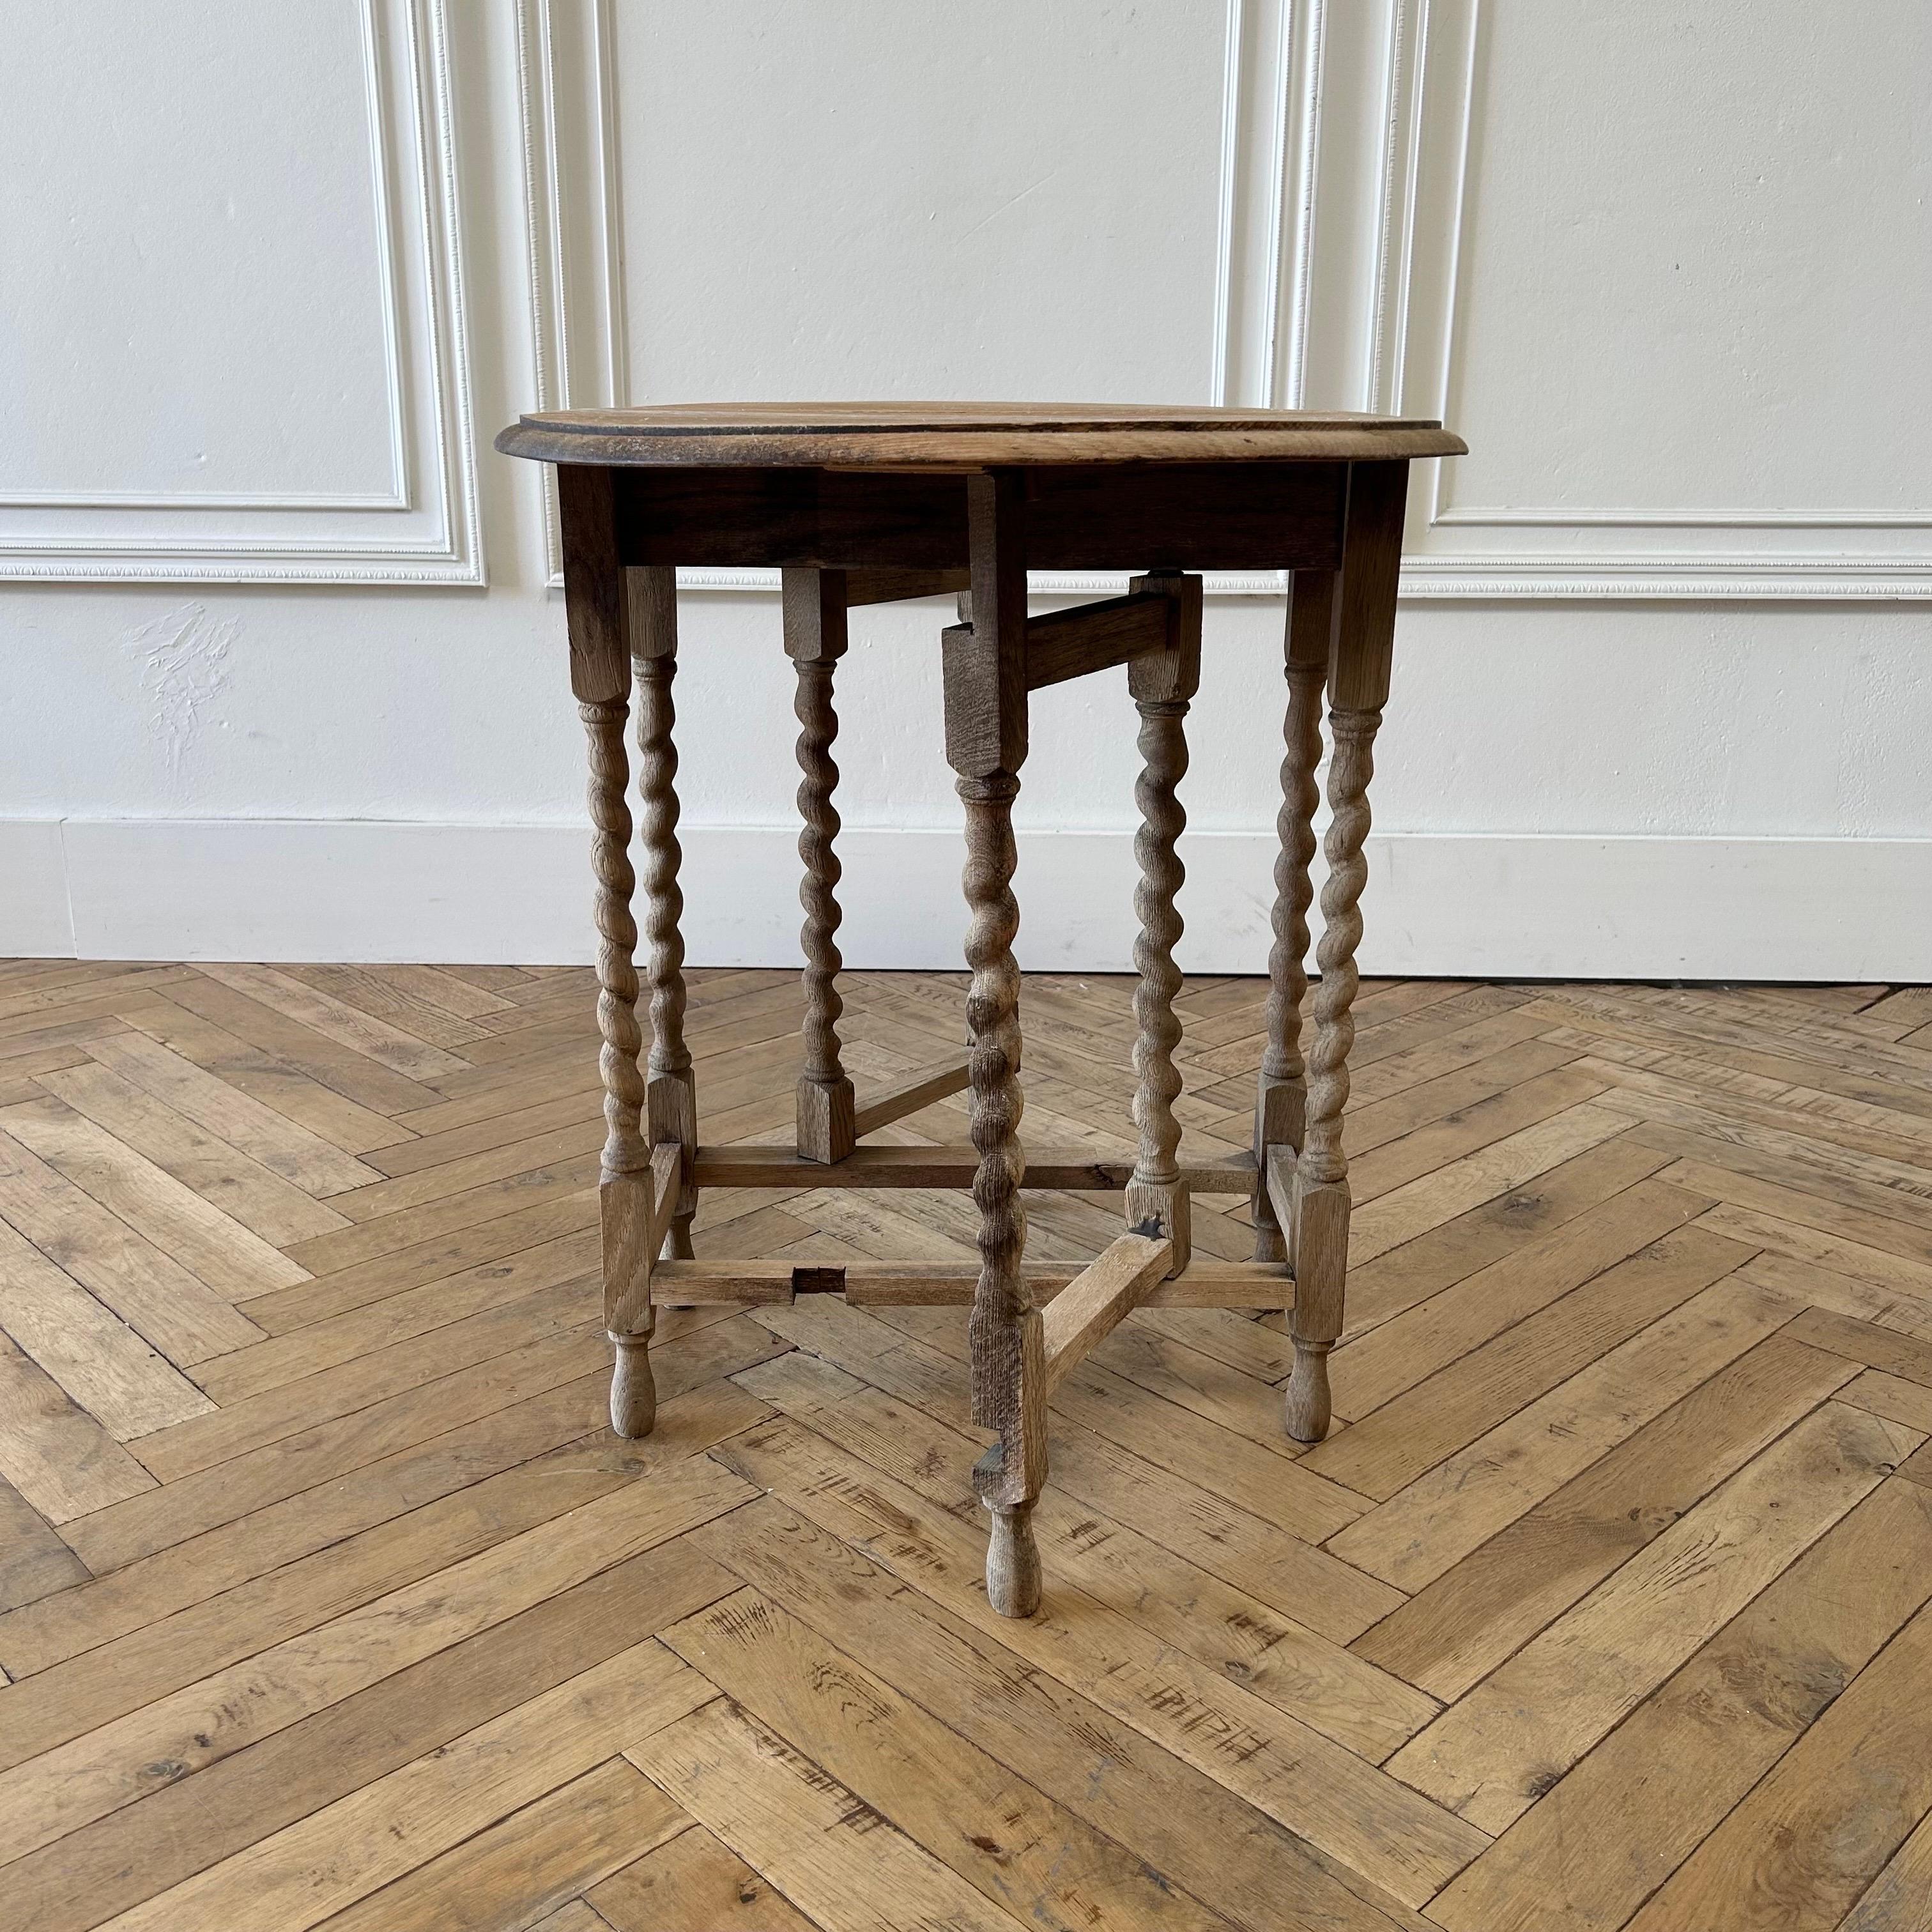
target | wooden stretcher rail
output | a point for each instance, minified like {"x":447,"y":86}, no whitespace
{"x":1281,"y":1184}
{"x":1069,"y":644}
{"x":1092,"y":1305}
{"x":895,"y":587}
{"x":950,"y":1167}
{"x":701,"y":1284}
{"x":919,"y":1089}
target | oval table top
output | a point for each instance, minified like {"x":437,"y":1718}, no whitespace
{"x":965,"y":436}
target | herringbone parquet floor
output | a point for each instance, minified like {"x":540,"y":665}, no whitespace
{"x":327,"y":1599}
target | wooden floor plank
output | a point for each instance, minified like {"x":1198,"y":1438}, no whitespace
{"x":241,"y":1061}
{"x":1380,"y":1453}
{"x":329,"y":1861}
{"x":1278,"y":1659}
{"x":1490,"y":1756}
{"x":1372,"y":1368}
{"x":327,"y":1598}
{"x":1454,"y":1632}
{"x":845,"y":1862}
{"x":533,"y":1861}
{"x":46,"y":1796}
{"x":252,"y":1186}
{"x":695,"y":1883}
{"x":102,"y":1364}
{"x":156,"y":1658}
{"x":1817,"y":1830}
{"x":183,"y":1827}
{"x":214,"y":1246}
{"x":1004,"y":1837}
{"x":53,"y":1450}
{"x":179,"y":1313}
{"x":390,"y":1488}
{"x":34,"y":1561}
{"x":1589,"y":1852}
{"x":1317,"y":1789}
{"x":403,"y":1053}
{"x":1455,"y":1506}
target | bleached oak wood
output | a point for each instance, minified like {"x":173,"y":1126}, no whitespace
{"x":1281,"y":1101}
{"x":1099,"y":1299}
{"x":814,"y":603}
{"x":909,"y":1095}
{"x":671,"y":1100}
{"x":1162,"y":686}
{"x":600,"y":667}
{"x":1358,"y":679}
{"x":985,"y":692}
{"x":840,"y":537}
{"x":1088,"y":637}
{"x":1205,"y":1284}
{"x":950,"y":1166}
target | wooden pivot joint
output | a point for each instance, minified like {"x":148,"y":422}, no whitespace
{"x":1281,"y":1096}
{"x":1358,"y":680}
{"x":815,"y":603}
{"x":1162,"y":684}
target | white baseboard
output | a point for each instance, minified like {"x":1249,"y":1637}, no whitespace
{"x":1473,"y":904}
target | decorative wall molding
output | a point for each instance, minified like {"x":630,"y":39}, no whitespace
{"x":1505,"y":904}
{"x":572,"y":176}
{"x":566,"y":90}
{"x":1597,"y":552}
{"x":425,"y":529}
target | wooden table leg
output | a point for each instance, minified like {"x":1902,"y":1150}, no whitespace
{"x":986,"y":744}
{"x":815,"y":638}
{"x":670,"y":1106}
{"x":1358,"y":678}
{"x":1281,"y":1099}
{"x":1162,"y":685}
{"x":600,"y":674}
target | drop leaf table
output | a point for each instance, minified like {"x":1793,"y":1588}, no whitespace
{"x":866,"y":503}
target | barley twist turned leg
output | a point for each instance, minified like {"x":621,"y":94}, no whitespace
{"x":1280,"y":1101}
{"x":1004,"y":1327}
{"x":1162,"y":684}
{"x":814,"y":622}
{"x":1322,"y":1185}
{"x":626,"y":1159}
{"x":670,"y":1098}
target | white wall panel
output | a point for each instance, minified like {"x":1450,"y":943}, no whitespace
{"x":1655,"y":263}
{"x":233,"y":306}
{"x":1692,"y":746}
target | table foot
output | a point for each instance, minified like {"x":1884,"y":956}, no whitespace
{"x":1012,"y":1560}
{"x":1306,"y":1405}
{"x":634,"y":1390}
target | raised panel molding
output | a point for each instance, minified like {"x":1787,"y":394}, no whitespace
{"x":424,"y":528}
{"x":1464,"y":551}
{"x":1264,"y":218}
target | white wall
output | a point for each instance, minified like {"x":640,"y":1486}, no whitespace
{"x":1664,"y":670}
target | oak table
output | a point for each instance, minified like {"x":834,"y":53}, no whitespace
{"x":865,"y":503}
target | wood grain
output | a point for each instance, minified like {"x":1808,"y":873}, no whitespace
{"x":1620,"y":1543}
